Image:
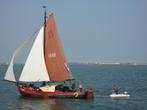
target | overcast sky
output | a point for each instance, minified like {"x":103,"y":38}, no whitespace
{"x":91,"y":30}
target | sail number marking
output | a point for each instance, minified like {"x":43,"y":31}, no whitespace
{"x":52,"y":55}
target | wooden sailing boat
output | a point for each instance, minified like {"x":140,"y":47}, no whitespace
{"x":46,"y":62}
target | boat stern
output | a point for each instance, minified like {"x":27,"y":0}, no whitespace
{"x":89,"y":94}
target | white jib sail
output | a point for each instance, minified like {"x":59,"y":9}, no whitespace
{"x":10,"y":76}
{"x":10,"y":73}
{"x":35,"y":68}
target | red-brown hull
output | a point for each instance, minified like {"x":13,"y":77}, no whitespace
{"x":57,"y":94}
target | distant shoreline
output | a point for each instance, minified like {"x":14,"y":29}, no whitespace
{"x":91,"y":63}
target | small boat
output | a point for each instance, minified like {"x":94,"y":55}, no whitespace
{"x":46,"y":63}
{"x":120,"y":96}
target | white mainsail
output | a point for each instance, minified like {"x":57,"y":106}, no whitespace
{"x":35,"y":68}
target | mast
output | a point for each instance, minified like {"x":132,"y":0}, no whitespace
{"x":35,"y":66}
{"x":44,"y":26}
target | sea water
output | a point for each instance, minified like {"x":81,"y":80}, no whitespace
{"x":130,"y":78}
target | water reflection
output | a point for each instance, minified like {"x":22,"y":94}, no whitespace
{"x":50,"y":104}
{"x":40,"y":104}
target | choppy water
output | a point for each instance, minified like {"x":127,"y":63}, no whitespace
{"x":100,"y":77}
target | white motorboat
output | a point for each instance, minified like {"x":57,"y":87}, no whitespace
{"x":120,"y":96}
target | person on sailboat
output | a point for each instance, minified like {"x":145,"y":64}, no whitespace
{"x":81,"y":87}
{"x":43,"y":83}
{"x":73,"y":86}
{"x":21,"y":85}
{"x":116,"y":88}
{"x":31,"y":85}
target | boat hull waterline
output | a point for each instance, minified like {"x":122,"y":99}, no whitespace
{"x":119,"y":96}
{"x":56,"y":94}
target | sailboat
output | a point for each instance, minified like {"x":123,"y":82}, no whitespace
{"x":47,"y":65}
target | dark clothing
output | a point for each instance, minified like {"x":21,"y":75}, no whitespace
{"x":73,"y":87}
{"x":31,"y":85}
{"x":43,"y":83}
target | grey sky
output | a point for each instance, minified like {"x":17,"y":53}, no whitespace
{"x":91,"y":30}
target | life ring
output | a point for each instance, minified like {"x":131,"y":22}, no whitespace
{"x":76,"y":94}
